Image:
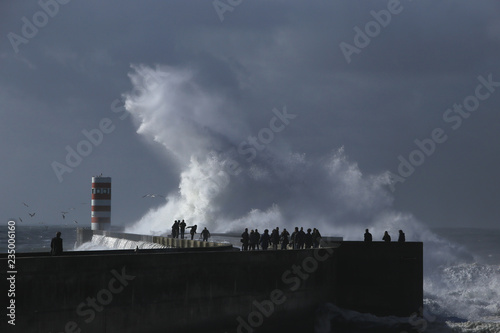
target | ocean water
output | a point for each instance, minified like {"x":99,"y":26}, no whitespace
{"x":461,"y":282}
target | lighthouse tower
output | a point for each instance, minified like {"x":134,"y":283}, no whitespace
{"x":101,"y":203}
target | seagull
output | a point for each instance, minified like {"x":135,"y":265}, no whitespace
{"x":75,"y":221}
{"x":153,"y":195}
{"x":31,"y":214}
{"x":64,"y":216}
{"x":20,"y":220}
{"x":24,"y":203}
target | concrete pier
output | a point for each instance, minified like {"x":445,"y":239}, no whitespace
{"x":205,"y":290}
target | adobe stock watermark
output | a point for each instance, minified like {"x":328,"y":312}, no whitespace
{"x":222,"y":6}
{"x":87,"y":309}
{"x":95,"y":137}
{"x":254,"y":144}
{"x":454,"y":117}
{"x":372,"y":29}
{"x":293,"y":278}
{"x":30,"y":28}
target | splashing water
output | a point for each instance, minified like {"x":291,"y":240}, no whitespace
{"x":221,"y":188}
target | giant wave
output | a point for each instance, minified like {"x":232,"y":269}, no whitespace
{"x":201,"y":132}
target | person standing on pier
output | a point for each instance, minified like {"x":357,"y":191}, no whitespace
{"x":284,"y":239}
{"x":182,"y":227}
{"x":294,"y":238}
{"x":175,"y":229}
{"x":368,"y":236}
{"x":275,"y":238}
{"x":300,"y":238}
{"x":316,"y":238}
{"x":308,"y":239}
{"x":254,"y":239}
{"x":56,"y":245}
{"x":387,"y":237}
{"x":264,"y":239}
{"x":257,"y":237}
{"x":205,"y":234}
{"x":245,"y":238}
{"x":402,"y":237}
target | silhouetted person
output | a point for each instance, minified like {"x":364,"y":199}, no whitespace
{"x":205,"y":234}
{"x":401,"y":237}
{"x":316,"y":238}
{"x":264,"y":239}
{"x":175,"y":229}
{"x":275,"y":238}
{"x":182,"y":227}
{"x":284,"y":239}
{"x":245,"y":239}
{"x":308,"y":239}
{"x":56,"y":245}
{"x":257,"y":235}
{"x":386,"y":237}
{"x":193,"y":231}
{"x":293,"y":238}
{"x":254,"y":239}
{"x":368,"y":236}
{"x":300,"y":238}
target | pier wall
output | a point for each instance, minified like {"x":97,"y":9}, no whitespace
{"x":85,"y":235}
{"x":209,"y":291}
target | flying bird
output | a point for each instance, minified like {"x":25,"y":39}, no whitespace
{"x":31,"y":214}
{"x":153,"y":195}
{"x":20,"y":220}
{"x":63,"y":214}
{"x":75,"y":221}
{"x":24,"y":203}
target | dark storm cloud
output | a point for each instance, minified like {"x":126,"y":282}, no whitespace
{"x":263,"y":55}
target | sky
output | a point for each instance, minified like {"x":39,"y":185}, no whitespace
{"x":332,"y":114}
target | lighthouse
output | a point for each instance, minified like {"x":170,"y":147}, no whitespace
{"x":101,"y":203}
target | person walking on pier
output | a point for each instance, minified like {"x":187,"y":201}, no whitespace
{"x":182,"y":227}
{"x":245,"y":238}
{"x":401,"y":238}
{"x":368,"y":236}
{"x":56,"y":245}
{"x":205,"y":234}
{"x":284,"y":239}
{"x":387,"y":237}
{"x":264,"y":239}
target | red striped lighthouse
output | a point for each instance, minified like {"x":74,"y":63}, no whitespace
{"x":101,"y":203}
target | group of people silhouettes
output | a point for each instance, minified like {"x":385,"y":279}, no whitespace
{"x":386,"y":237}
{"x":299,"y":239}
{"x":179,"y":227}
